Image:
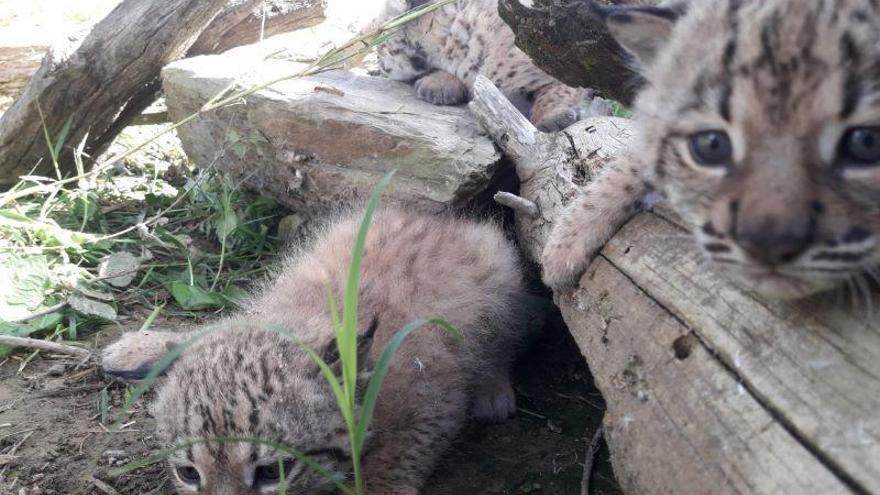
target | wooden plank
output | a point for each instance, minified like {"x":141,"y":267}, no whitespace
{"x":709,"y":390}
{"x":678,"y":421}
{"x":814,"y":364}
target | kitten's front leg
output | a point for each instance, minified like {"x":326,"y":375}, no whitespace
{"x":134,"y":354}
{"x":589,"y":221}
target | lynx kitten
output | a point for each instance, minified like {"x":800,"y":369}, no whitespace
{"x":443,"y":52}
{"x":244,"y":381}
{"x":760,"y":124}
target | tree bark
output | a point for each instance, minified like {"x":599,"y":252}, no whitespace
{"x":101,"y":80}
{"x":569,"y":41}
{"x":244,"y":21}
{"x":709,"y":388}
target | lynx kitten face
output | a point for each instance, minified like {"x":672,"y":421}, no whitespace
{"x":444,"y":52}
{"x":240,"y":380}
{"x":760,"y":123}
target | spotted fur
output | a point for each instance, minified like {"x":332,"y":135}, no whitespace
{"x":444,"y":52}
{"x":241,"y":380}
{"x":795,"y":87}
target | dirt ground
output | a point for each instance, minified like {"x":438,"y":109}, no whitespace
{"x":52,"y":440}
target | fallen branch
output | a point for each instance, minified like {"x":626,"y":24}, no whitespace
{"x":589,"y":460}
{"x":38,"y":314}
{"x":44,"y":345}
{"x":517,"y":203}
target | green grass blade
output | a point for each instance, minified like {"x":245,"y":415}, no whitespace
{"x":328,"y":374}
{"x":282,"y":478}
{"x":105,"y":406}
{"x":62,"y":136}
{"x":150,"y":319}
{"x":381,"y":368}
{"x":347,"y":339}
{"x":334,"y":311}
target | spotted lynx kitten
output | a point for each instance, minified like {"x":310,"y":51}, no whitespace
{"x":760,"y":124}
{"x":444,"y":52}
{"x":244,"y":381}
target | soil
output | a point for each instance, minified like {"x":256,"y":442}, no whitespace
{"x":52,"y":440}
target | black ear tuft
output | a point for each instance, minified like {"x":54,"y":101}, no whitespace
{"x":330,"y":353}
{"x":640,"y":29}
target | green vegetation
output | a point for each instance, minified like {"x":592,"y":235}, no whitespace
{"x":138,"y":232}
{"x":138,"y":235}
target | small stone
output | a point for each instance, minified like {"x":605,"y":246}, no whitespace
{"x":57,"y":369}
{"x":289,"y":227}
{"x":113,"y":453}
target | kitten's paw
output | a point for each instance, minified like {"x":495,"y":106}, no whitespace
{"x":494,"y":401}
{"x":132,"y":356}
{"x":563,"y":264}
{"x":555,"y":121}
{"x":442,"y":88}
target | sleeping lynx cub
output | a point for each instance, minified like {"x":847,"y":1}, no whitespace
{"x":444,"y":52}
{"x":244,"y":381}
{"x":760,"y":124}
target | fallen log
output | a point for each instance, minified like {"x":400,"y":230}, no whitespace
{"x":243,"y":22}
{"x":99,"y":81}
{"x":569,"y":41}
{"x":17,"y":65}
{"x":709,"y":388}
{"x":315,"y":141}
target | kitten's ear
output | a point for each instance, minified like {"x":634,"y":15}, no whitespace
{"x":642,"y":30}
{"x":132,"y":356}
{"x":330,"y":354}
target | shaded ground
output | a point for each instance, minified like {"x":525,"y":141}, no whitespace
{"x":541,"y":450}
{"x":52,"y":439}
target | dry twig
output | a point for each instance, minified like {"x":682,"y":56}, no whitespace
{"x":44,"y":345}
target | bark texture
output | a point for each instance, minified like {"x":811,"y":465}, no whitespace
{"x":243,"y":22}
{"x":101,"y":80}
{"x":569,"y":41}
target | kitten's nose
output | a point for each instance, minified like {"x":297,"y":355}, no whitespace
{"x":775,"y":243}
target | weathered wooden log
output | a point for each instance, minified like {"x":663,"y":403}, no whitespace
{"x":95,"y":78}
{"x":569,"y":41}
{"x":709,"y":388}
{"x":243,"y":22}
{"x":17,"y":65}
{"x":313,"y":142}
{"x":103,"y":79}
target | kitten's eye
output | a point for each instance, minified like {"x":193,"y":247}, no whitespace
{"x":712,"y":148}
{"x":861,"y":146}
{"x":188,"y":474}
{"x":269,"y":474}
